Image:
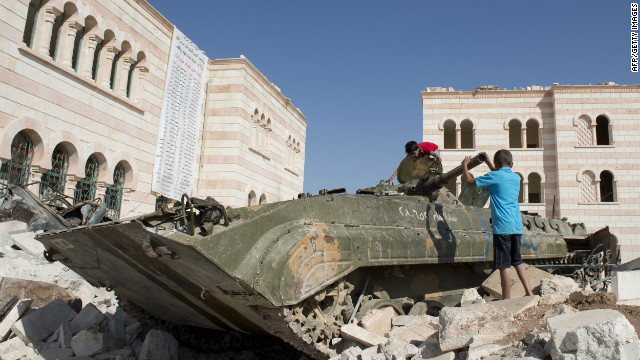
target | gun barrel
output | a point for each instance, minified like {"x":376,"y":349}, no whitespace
{"x":442,"y":180}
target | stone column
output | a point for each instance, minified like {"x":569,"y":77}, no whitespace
{"x":70,"y":186}
{"x":34,"y":178}
{"x":598,"y":198}
{"x":104,"y":69}
{"x":101,"y":189}
{"x":525,"y":192}
{"x":137,"y":81}
{"x":594,"y":140}
{"x":458,"y":138}
{"x":126,"y":200}
{"x":67,"y":41}
{"x":85,"y":62}
{"x":523,"y":138}
{"x":44,"y":29}
{"x":122,"y":75}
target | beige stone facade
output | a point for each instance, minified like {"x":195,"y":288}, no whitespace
{"x":85,"y":78}
{"x":575,"y":144}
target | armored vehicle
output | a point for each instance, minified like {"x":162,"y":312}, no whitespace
{"x":301,"y":269}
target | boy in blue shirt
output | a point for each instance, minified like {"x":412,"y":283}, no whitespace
{"x":506,"y":220}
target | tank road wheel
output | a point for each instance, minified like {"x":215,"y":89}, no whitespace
{"x":312,"y":323}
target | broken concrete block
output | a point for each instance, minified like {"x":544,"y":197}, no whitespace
{"x":580,"y":294}
{"x":556,"y":289}
{"x":460,"y":325}
{"x":27,"y":242}
{"x":535,"y":337}
{"x":40,"y":323}
{"x":365,"y":337}
{"x":624,"y":285}
{"x":430,"y":349}
{"x":558,"y":309}
{"x":471,"y":296}
{"x":15,"y":349}
{"x":88,"y":343}
{"x":87,"y":318}
{"x":131,"y":332}
{"x":14,"y":314}
{"x":116,"y":330}
{"x":593,"y":334}
{"x":123,"y":353}
{"x":159,"y":345}
{"x":534,"y":276}
{"x":64,"y":335}
{"x":411,"y":320}
{"x":482,"y":346}
{"x":8,"y":228}
{"x":368,"y":353}
{"x":378,"y":320}
{"x":415,"y":335}
{"x":397,"y":350}
{"x":632,"y":351}
{"x":351,"y":352}
{"x":518,"y":305}
{"x":419,"y":308}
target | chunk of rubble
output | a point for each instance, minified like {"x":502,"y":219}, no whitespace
{"x":12,"y":316}
{"x":87,"y":318}
{"x":460,"y":325}
{"x":412,"y":320}
{"x":397,"y":350}
{"x":592,"y":334}
{"x":40,"y":323}
{"x":26,"y":242}
{"x":518,"y":305}
{"x":620,"y":285}
{"x":557,"y":310}
{"x":415,"y":335}
{"x":556,"y":289}
{"x":471,"y":296}
{"x":482,"y":346}
{"x":365,"y":337}
{"x":430,"y":349}
{"x":159,"y":345}
{"x":492,"y":284}
{"x":89,"y":343}
{"x":378,"y":320}
{"x":64,"y":335}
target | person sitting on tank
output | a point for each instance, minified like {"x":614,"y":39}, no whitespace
{"x":506,"y":219}
{"x":416,"y":150}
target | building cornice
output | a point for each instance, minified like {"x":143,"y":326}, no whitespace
{"x":155,"y":14}
{"x":531,"y":93}
{"x":244,"y":63}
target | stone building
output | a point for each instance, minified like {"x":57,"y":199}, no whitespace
{"x":81,"y":91}
{"x":575,"y":147}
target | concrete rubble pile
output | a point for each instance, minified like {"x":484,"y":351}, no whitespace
{"x":485,"y":330}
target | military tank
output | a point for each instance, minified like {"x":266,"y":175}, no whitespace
{"x":301,"y":269}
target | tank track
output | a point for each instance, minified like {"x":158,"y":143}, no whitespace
{"x":311,"y":325}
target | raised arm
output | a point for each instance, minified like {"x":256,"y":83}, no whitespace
{"x":392,"y":176}
{"x":488,"y":162}
{"x":466,"y":175}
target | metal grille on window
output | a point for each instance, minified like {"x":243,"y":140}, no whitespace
{"x":53,"y":181}
{"x":113,"y":195}
{"x":18,"y":168}
{"x":86,"y":188}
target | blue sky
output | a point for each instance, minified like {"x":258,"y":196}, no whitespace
{"x":356,"y":68}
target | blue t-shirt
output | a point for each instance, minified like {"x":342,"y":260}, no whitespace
{"x":504,"y":188}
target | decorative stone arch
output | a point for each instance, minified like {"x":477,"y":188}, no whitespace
{"x":583,"y":169}
{"x":603,"y":135}
{"x":36,"y":131}
{"x":468,"y":135}
{"x":533,"y":192}
{"x":444,"y":120}
{"x":103,"y":155}
{"x":585,"y":129}
{"x":533,"y":136}
{"x":515,"y":128}
{"x":68,"y":140}
{"x":263,"y":199}
{"x":508,"y":120}
{"x":252,"y":198}
{"x":606,"y":181}
{"x":588,"y":184}
{"x":131,"y":173}
{"x":449,"y":128}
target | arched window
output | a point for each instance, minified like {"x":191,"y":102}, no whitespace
{"x":18,"y":169}
{"x":515,"y":134}
{"x":585,"y":137}
{"x":466,"y":134}
{"x":603,"y":136}
{"x":533,"y":134}
{"x":113,"y":195}
{"x":450,"y":141}
{"x":255,"y":126}
{"x":251,"y":199}
{"x":534,"y":191}
{"x":53,"y":181}
{"x":521,"y":193}
{"x":86,"y":188}
{"x":587,"y":187}
{"x":607,"y":187}
{"x":263,"y":199}
{"x":30,"y":24}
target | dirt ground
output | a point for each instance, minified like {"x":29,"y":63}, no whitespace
{"x":533,"y":318}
